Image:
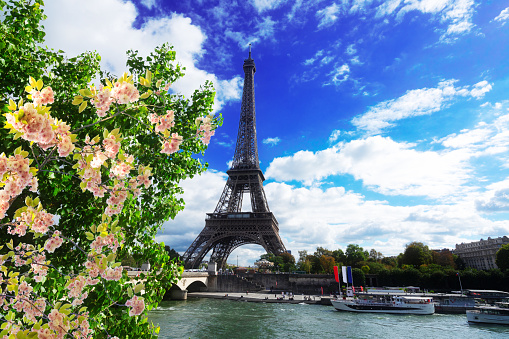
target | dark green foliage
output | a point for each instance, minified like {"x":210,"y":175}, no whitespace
{"x":502,"y":258}
{"x":355,"y":254}
{"x":416,"y":254}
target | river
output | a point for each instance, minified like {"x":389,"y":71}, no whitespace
{"x":212,"y":318}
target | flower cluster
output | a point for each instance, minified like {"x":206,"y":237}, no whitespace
{"x":172,"y":145}
{"x":35,"y":219}
{"x":15,"y":175}
{"x":102,"y":101}
{"x":33,"y":121}
{"x":163,"y":124}
{"x":205,"y":129}
{"x":43,"y":97}
{"x":124,"y":92}
{"x":137,"y":305}
{"x":53,"y":243}
{"x":121,"y":91}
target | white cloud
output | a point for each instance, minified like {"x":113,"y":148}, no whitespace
{"x":457,"y":14}
{"x":317,"y":55}
{"x":334,"y":217}
{"x":480,"y":89}
{"x":351,"y":50}
{"x":326,"y":60}
{"x":266,"y":28}
{"x":263,"y":5}
{"x":414,"y":103}
{"x":496,"y":198}
{"x":271,"y":141}
{"x":503,"y":16}
{"x":338,"y":75}
{"x":107,"y":26}
{"x":327,"y":16}
{"x":334,"y":135}
{"x":148,"y":3}
{"x":387,"y":7}
{"x":382,"y":165}
{"x":485,"y":139}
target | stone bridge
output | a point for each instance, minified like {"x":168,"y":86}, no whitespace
{"x":210,"y":281}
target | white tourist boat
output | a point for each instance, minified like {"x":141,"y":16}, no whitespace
{"x":386,"y":304}
{"x":498,"y":314}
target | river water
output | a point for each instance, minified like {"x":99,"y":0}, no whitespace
{"x":212,"y":318}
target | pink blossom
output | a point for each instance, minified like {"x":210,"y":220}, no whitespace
{"x":43,"y":97}
{"x":53,"y":243}
{"x":137,"y":305}
{"x":102,"y":101}
{"x":172,"y":145}
{"x":125,"y":92}
{"x":121,"y":170}
{"x":57,"y":323}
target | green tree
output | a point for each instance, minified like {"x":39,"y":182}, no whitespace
{"x":172,"y":253}
{"x":327,"y":264}
{"x":374,"y":255}
{"x":416,"y":254}
{"x":390,"y":261}
{"x":355,"y":254}
{"x":288,"y":264}
{"x":339,"y":256}
{"x":502,"y":257}
{"x":443,"y":258}
{"x":21,"y":56}
{"x":458,"y":262}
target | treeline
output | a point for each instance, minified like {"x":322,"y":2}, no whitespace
{"x":416,"y":266}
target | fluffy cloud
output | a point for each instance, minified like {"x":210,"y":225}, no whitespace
{"x":414,"y":103}
{"x":486,"y":139}
{"x":503,"y":16}
{"x":265,"y":30}
{"x":108,"y":27}
{"x":334,"y":135}
{"x":495,"y":199}
{"x":382,"y":164}
{"x":457,"y":14}
{"x":338,"y":75}
{"x":271,"y":141}
{"x":335,"y":217}
{"x":327,"y":16}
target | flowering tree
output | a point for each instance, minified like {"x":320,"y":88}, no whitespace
{"x":88,"y":174}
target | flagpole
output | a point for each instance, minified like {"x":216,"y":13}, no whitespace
{"x":459,"y":277}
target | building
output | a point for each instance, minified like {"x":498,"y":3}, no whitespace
{"x":480,"y":254}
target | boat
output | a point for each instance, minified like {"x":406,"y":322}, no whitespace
{"x":451,"y":303}
{"x":394,"y":304}
{"x":490,"y":314}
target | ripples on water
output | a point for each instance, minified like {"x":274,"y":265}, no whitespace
{"x":210,"y":318}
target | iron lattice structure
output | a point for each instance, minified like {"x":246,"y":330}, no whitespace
{"x":228,"y":227}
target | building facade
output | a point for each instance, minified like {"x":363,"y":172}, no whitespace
{"x":481,"y":254}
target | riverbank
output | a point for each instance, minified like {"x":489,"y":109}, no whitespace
{"x":263,"y":297}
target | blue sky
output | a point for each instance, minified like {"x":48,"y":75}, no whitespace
{"x":379,"y":122}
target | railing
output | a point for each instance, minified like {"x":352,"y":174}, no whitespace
{"x":241,"y":215}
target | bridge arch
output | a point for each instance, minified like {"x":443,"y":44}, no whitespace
{"x":197,"y":286}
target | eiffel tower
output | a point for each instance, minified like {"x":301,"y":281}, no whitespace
{"x":228,"y":227}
